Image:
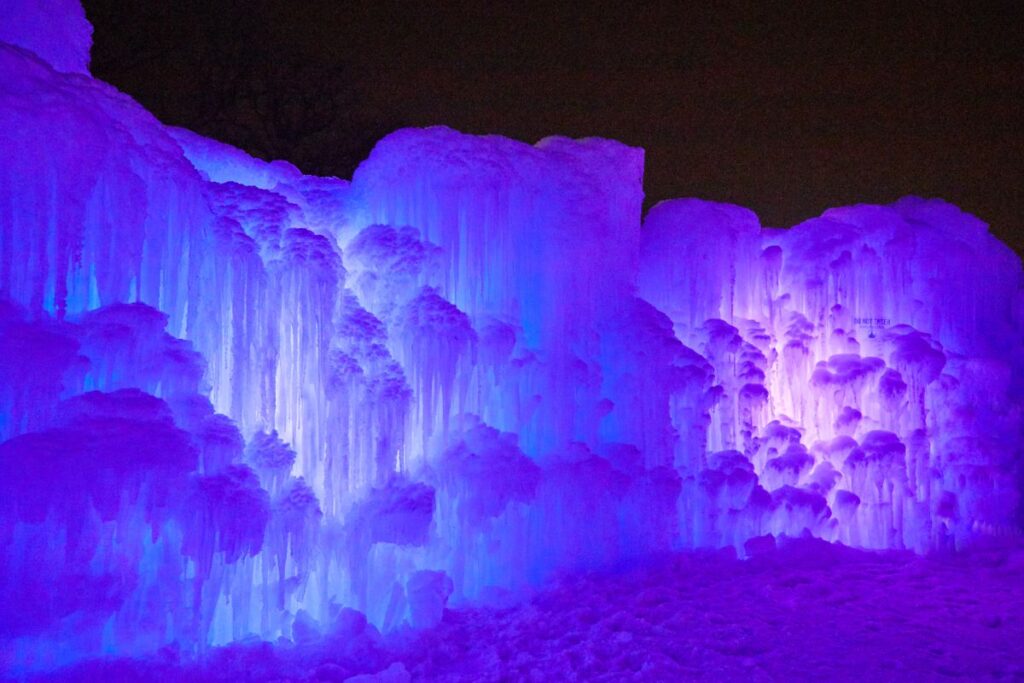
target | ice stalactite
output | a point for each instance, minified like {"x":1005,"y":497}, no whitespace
{"x":390,"y":264}
{"x":438,"y":351}
{"x":39,"y":363}
{"x":308,"y":280}
{"x":523,"y":231}
{"x":715,"y":280}
{"x":484,"y":485}
{"x":369,"y":400}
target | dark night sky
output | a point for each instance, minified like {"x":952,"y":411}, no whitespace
{"x":787,"y":108}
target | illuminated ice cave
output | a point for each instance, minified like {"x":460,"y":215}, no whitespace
{"x":239,"y":404}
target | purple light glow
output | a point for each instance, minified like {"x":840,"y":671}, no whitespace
{"x":239,"y":402}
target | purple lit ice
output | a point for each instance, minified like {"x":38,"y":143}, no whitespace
{"x":241,"y":405}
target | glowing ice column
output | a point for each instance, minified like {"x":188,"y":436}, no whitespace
{"x":308,"y":280}
{"x":525,"y":233}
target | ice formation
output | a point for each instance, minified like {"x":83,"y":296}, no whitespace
{"x":239,"y":401}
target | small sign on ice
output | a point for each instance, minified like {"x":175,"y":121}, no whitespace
{"x":871,"y":324}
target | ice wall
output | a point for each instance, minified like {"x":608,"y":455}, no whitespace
{"x":866,"y":361}
{"x":239,"y":401}
{"x":55,"y":30}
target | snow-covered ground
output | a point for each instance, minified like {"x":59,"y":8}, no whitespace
{"x":805,"y":611}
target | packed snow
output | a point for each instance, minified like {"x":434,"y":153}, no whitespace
{"x":804,"y":611}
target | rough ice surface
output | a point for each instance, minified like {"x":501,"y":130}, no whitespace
{"x":55,"y":30}
{"x":238,"y":403}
